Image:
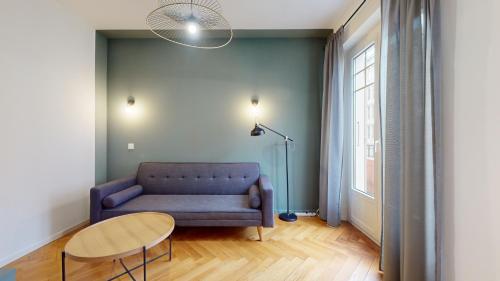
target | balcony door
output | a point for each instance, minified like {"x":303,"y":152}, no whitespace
{"x":364,"y":193}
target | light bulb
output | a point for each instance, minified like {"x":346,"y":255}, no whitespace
{"x":192,"y":28}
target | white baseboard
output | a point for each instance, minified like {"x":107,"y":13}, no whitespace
{"x":365,"y":229}
{"x":39,"y":244}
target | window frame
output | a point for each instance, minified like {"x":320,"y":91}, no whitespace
{"x":353,"y":95}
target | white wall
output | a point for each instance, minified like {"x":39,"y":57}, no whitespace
{"x":46,"y":123}
{"x":471,"y":79}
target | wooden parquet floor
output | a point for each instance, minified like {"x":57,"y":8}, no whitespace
{"x":304,"y":250}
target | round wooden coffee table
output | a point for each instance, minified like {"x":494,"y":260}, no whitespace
{"x":120,"y":237}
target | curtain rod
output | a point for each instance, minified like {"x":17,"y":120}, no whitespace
{"x":355,"y":12}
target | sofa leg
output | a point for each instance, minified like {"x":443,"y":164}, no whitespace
{"x":260,"y":230}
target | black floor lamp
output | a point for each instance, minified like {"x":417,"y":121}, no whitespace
{"x":258,"y":131}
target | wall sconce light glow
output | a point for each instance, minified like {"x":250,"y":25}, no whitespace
{"x":255,"y":110}
{"x":131,"y":108}
{"x":192,"y":27}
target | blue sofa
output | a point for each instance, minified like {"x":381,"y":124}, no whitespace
{"x":195,"y":194}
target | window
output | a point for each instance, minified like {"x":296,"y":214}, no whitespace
{"x":363,"y":80}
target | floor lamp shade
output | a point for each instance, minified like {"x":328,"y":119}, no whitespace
{"x":257,"y":131}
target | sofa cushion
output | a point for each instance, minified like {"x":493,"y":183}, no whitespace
{"x":198,"y":178}
{"x":191,"y":207}
{"x":120,"y":197}
{"x":254,"y":197}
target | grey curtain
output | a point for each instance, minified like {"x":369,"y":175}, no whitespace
{"x":332,"y":130}
{"x":410,"y":109}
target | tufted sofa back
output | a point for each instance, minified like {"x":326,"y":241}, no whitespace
{"x":197,"y":178}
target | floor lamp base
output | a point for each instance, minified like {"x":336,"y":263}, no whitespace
{"x":288,"y":217}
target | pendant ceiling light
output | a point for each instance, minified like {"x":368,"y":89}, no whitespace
{"x":192,"y":23}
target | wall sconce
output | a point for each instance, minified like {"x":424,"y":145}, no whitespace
{"x":130,"y":101}
{"x":130,"y":108}
{"x":255,"y":109}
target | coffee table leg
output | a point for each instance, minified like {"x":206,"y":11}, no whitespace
{"x":63,"y":261}
{"x":144,"y":261}
{"x":170,"y":248}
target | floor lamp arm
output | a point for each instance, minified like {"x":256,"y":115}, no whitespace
{"x":274,"y":131}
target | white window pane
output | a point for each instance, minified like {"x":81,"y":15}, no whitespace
{"x":370,"y":171}
{"x":370,"y":113}
{"x":359,"y":80}
{"x":359,"y":63}
{"x":371,"y":93}
{"x":369,"y":143}
{"x":359,"y":140}
{"x":370,"y":55}
{"x":370,"y":75}
{"x":364,"y":112}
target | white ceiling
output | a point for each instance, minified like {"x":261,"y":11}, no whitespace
{"x":242,"y":14}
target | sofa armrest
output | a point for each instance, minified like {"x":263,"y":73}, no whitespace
{"x":97,"y":194}
{"x":266,"y":192}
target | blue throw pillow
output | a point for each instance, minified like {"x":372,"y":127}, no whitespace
{"x":121,"y":197}
{"x":254,"y":197}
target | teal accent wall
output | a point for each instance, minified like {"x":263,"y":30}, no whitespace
{"x":101,"y":81}
{"x":193,"y":105}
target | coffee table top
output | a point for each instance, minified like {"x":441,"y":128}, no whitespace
{"x":119,"y":237}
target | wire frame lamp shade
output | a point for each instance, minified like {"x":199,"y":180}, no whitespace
{"x":192,"y":23}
